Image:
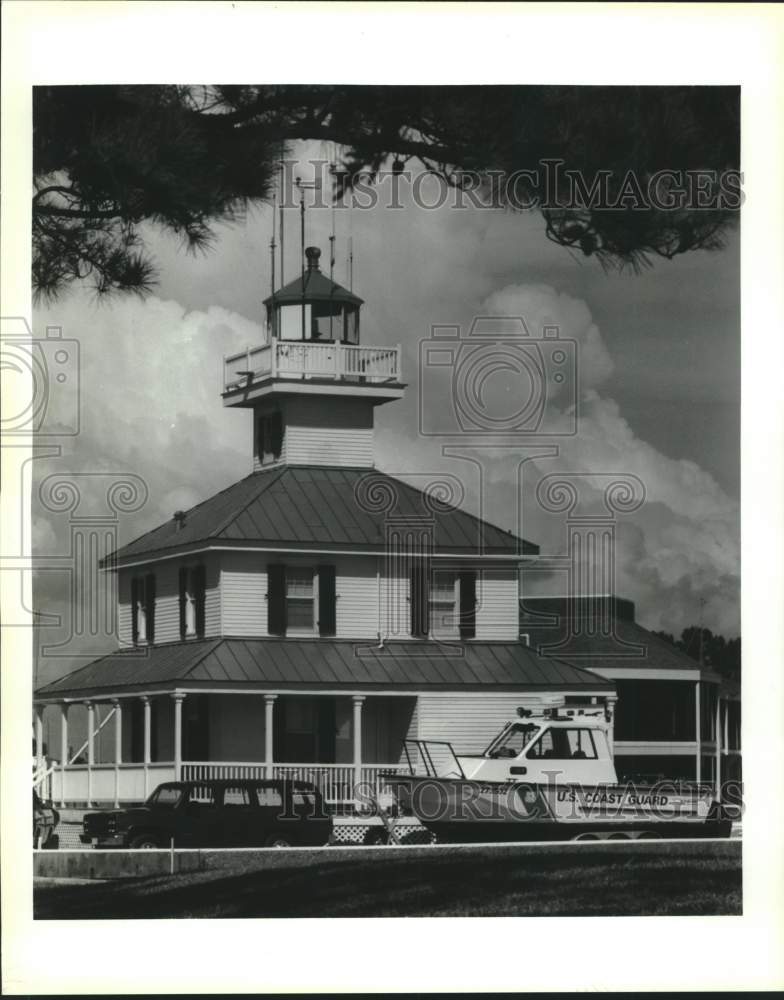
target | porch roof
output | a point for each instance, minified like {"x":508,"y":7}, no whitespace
{"x":319,"y":664}
{"x":324,"y":506}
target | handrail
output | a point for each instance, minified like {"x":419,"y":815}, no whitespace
{"x":315,"y":359}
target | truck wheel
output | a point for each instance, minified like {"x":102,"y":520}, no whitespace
{"x":587,"y":836}
{"x":649,"y":835}
{"x":144,"y":842}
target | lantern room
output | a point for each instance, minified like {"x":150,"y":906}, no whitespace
{"x":313,"y":308}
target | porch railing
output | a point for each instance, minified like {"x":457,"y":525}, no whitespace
{"x":335,"y":781}
{"x":292,"y":359}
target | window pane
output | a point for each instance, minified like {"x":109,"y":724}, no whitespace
{"x":236,"y":797}
{"x":202,"y":794}
{"x":300,"y":613}
{"x":269,"y":795}
{"x":299,"y":582}
{"x":581,"y":744}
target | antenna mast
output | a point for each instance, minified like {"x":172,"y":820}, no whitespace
{"x":282,"y":200}
{"x":272,"y":265}
{"x":304,"y":186}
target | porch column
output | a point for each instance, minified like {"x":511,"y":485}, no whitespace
{"x":726,"y":725}
{"x":269,"y":705}
{"x":718,"y":746}
{"x":698,"y":734}
{"x":117,"y":704}
{"x":90,"y":749}
{"x":39,"y":739}
{"x":178,"y":700}
{"x":63,"y":749}
{"x":358,"y":700}
{"x":147,"y":742}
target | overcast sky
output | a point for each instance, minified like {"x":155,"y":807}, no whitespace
{"x":658,"y":378}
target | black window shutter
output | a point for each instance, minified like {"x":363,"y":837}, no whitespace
{"x":468,"y":605}
{"x":200,"y":597}
{"x":327,"y":617}
{"x":276,"y":599}
{"x":420,"y":599}
{"x":149,"y":606}
{"x":183,"y":599}
{"x":276,"y":434}
{"x":135,"y":611}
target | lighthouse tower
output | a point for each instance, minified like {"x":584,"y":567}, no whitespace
{"x":312,"y":386}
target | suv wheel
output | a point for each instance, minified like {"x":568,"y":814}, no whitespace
{"x":144,"y":842}
{"x":278,"y":840}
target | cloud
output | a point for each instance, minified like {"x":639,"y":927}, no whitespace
{"x":684,"y":544}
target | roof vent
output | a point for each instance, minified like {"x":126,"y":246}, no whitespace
{"x":179,"y":519}
{"x":312,"y":255}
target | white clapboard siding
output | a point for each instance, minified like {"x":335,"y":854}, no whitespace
{"x":395,"y":607}
{"x":349,"y":447}
{"x":124,"y":614}
{"x":243,"y":582}
{"x":468,"y":722}
{"x":167,"y":602}
{"x":346,"y":439}
{"x":497,"y":612}
{"x":357,"y":599}
{"x":213,"y":624}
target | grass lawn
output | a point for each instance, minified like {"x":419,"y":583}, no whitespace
{"x":647,"y":880}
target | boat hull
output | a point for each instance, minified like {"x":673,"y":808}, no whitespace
{"x":466,"y":811}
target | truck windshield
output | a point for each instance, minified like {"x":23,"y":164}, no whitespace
{"x":513,"y":741}
{"x":165,"y":796}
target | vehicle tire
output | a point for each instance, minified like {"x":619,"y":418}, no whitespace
{"x":587,"y":836}
{"x":375,"y":837}
{"x":278,"y":840}
{"x":144,"y":842}
{"x":649,"y":835}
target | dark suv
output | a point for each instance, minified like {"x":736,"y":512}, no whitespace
{"x":216,"y":814}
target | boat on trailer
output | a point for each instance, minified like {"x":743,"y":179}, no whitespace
{"x":548,"y":775}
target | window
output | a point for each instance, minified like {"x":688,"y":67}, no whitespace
{"x":564,"y":744}
{"x":166,"y":796}
{"x":300,"y":615}
{"x":514,"y":741}
{"x":236,"y":795}
{"x":293,"y":600}
{"x":143,"y":609}
{"x":269,"y":438}
{"x":192,"y":601}
{"x":269,"y":796}
{"x":441,"y":605}
{"x":204,"y":795}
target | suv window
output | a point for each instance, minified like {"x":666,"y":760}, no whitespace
{"x":236,"y":795}
{"x":269,"y":795}
{"x":203,"y":794}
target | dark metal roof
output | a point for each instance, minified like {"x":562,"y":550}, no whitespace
{"x":268,"y":664}
{"x":588,"y":640}
{"x":318,"y":505}
{"x":317,"y":287}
